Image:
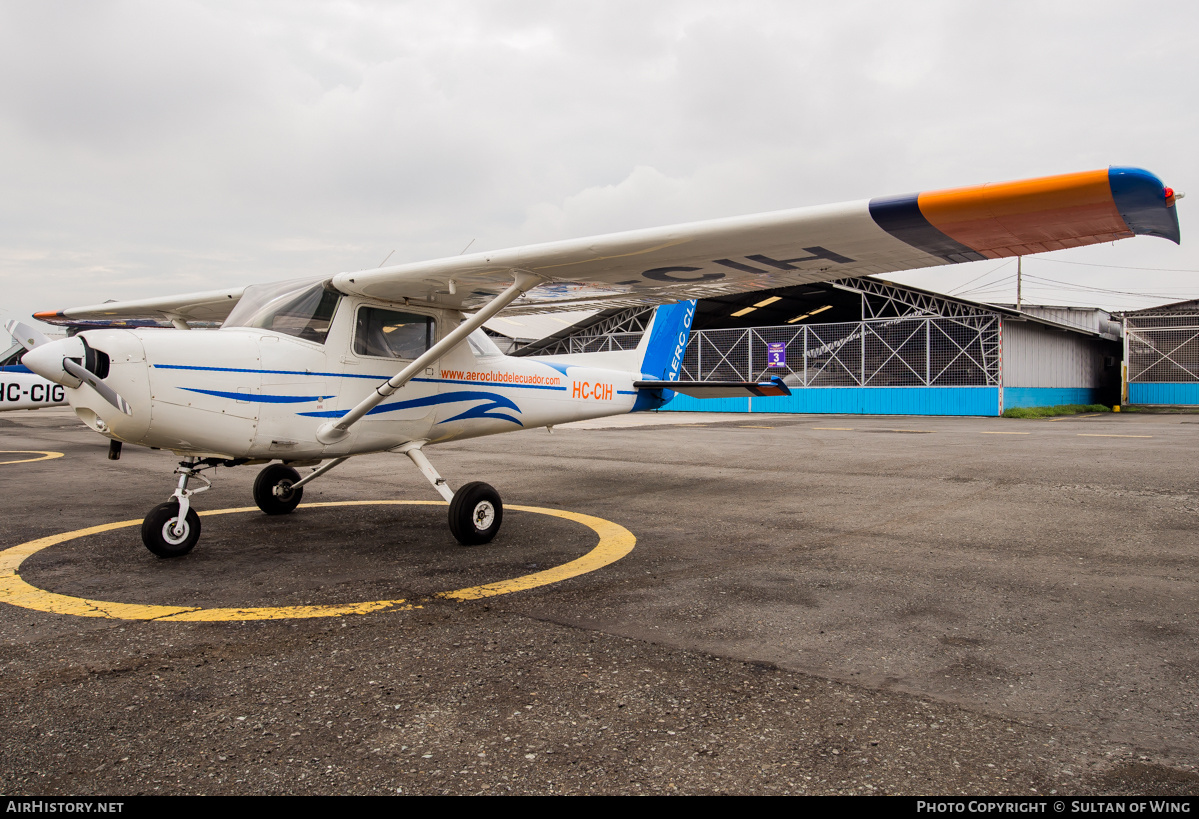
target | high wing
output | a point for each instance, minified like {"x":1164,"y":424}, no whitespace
{"x":758,"y":252}
{"x":791,"y":247}
{"x":209,"y":306}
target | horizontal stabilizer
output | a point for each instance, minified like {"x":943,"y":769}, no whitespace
{"x":719,"y":389}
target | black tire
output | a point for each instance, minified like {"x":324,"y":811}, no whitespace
{"x":264,"y":490}
{"x":475,"y":514}
{"x":158,"y":534}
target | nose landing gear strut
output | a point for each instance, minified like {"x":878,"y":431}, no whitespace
{"x":172,"y":529}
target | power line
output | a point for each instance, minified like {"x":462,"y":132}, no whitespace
{"x":976,"y":278}
{"x":1120,"y":266}
{"x":1074,"y":286}
{"x":1057,"y":301}
{"x":1011,"y":277}
{"x":1052,"y":287}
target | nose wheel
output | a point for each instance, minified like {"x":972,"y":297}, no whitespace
{"x":173,"y":528}
{"x":166,"y":534}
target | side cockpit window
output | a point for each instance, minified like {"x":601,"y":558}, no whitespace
{"x":392,"y":334}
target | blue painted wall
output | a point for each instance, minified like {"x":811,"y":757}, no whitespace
{"x":1048,"y":396}
{"x":1163,"y":393}
{"x":857,"y":400}
{"x":916,"y":400}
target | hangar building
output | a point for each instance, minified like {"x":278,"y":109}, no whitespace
{"x":872,"y":347}
{"x":1161,"y":354}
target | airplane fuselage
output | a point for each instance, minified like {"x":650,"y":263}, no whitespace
{"x":250,"y":393}
{"x":21,"y":389}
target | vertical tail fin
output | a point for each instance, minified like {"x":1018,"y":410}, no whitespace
{"x":665,"y":340}
{"x":662,"y":347}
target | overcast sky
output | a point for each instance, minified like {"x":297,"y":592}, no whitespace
{"x":149,"y":148}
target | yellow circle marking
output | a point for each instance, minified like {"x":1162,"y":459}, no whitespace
{"x":615,"y":542}
{"x":45,"y":455}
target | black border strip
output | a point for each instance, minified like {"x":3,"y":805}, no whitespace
{"x":901,"y":217}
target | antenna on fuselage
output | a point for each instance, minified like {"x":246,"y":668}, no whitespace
{"x":468,"y":244}
{"x":385,"y":258}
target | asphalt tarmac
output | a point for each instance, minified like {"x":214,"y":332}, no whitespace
{"x":813,"y":605}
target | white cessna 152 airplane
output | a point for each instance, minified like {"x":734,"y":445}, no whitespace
{"x":315,"y":371}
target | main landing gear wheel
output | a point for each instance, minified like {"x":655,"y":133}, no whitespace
{"x":475,"y":514}
{"x":273,"y":492}
{"x":163,"y":537}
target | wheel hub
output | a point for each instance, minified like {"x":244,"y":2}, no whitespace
{"x":175,"y":531}
{"x":484,"y":515}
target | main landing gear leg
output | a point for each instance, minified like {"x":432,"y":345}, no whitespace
{"x":172,"y":529}
{"x":475,"y":509}
{"x":278,"y":489}
{"x":275,"y":489}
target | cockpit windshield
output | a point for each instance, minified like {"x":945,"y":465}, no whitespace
{"x":301,"y":308}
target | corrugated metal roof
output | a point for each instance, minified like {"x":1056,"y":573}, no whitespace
{"x":1190,"y":306}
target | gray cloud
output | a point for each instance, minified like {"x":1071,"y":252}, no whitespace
{"x":156,"y":147}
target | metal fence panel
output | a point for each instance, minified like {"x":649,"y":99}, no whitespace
{"x":896,"y":352}
{"x":960,"y":356}
{"x":1163,"y":349}
{"x":604,"y":343}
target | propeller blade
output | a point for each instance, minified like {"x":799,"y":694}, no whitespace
{"x":106,"y":392}
{"x":28,"y":337}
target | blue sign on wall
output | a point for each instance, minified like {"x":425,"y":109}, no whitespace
{"x":776,"y":352}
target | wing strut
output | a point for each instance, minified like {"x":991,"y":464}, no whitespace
{"x":334,"y":431}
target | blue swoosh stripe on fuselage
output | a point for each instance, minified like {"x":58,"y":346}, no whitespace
{"x":562,"y":368}
{"x":21,"y":368}
{"x":497,"y":401}
{"x":260,"y":399}
{"x":352,"y":375}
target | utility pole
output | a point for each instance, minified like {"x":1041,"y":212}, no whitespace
{"x":1019,"y":280}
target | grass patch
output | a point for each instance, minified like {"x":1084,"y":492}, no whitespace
{"x":1049,"y":412}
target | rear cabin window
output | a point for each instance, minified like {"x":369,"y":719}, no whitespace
{"x":392,"y":334}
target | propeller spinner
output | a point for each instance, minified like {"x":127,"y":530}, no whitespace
{"x":60,"y":362}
